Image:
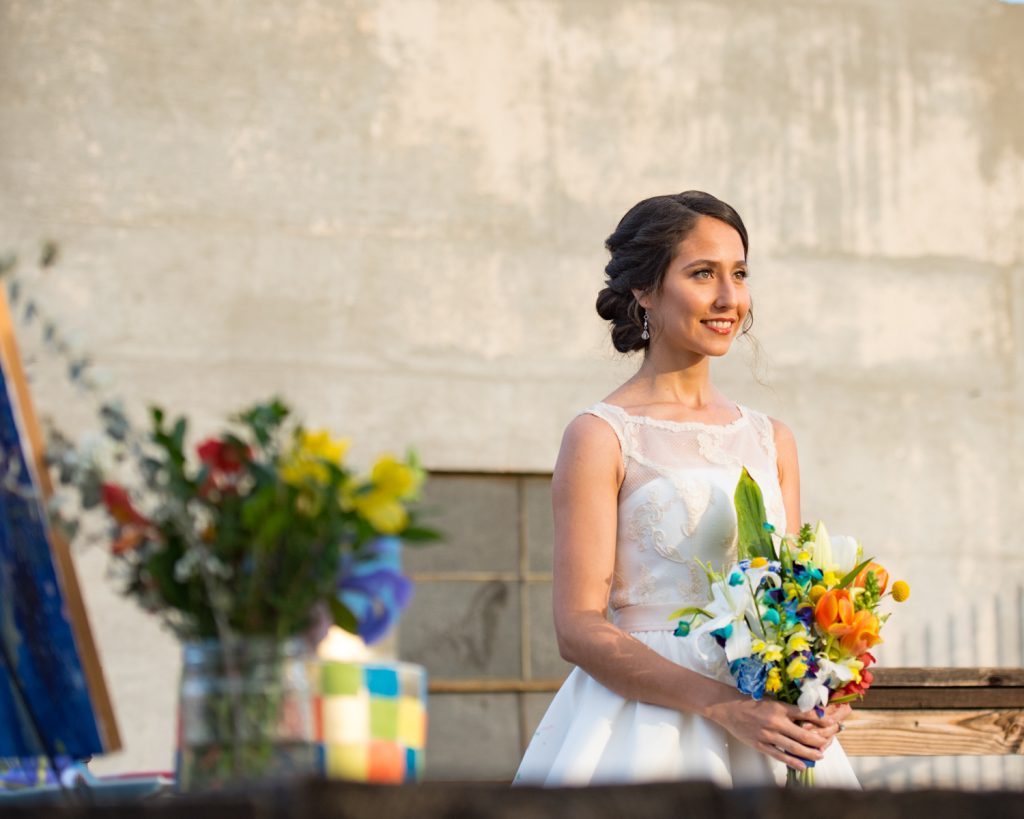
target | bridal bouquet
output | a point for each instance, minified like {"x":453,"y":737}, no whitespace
{"x":797,"y":615}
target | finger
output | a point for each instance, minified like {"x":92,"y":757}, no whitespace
{"x":793,"y":746}
{"x":803,"y":736}
{"x":782,"y":756}
{"x":796,"y":715}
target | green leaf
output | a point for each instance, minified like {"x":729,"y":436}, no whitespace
{"x":754,"y":540}
{"x":688,"y":611}
{"x":420,"y":534}
{"x":847,"y":698}
{"x":851,"y":575}
{"x":343,"y":616}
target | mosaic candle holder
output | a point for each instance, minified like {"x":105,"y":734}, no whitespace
{"x":373,"y":720}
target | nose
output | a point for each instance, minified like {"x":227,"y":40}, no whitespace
{"x":726,"y":298}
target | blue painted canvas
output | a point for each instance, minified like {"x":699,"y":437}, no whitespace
{"x":37,"y":644}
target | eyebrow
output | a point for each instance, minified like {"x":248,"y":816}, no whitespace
{"x":712,"y":262}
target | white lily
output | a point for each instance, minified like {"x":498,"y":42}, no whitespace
{"x":730,"y":605}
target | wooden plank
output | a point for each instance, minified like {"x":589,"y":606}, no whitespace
{"x":943,"y":677}
{"x":492,"y":686}
{"x":934,"y":733}
{"x":943,"y":698}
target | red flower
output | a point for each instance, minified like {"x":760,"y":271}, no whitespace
{"x":867,"y":658}
{"x":225,"y":461}
{"x":222,"y":456}
{"x":120,"y":507}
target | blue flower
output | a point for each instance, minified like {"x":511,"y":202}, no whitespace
{"x":373,"y":587}
{"x":750,"y":674}
{"x":736,"y":579}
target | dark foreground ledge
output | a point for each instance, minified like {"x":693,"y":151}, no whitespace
{"x":690,"y":800}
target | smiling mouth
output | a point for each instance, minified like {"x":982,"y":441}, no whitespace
{"x":721,"y":326}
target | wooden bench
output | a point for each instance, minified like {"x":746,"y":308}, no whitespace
{"x":939,"y":712}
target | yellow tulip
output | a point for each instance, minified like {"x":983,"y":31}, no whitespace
{"x":382,"y":512}
{"x":394,"y":478}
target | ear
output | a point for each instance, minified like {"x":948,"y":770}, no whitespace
{"x":643,"y":299}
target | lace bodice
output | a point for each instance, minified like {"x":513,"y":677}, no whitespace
{"x":676,"y":501}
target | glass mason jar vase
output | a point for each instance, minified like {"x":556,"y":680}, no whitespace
{"x":245,"y":713}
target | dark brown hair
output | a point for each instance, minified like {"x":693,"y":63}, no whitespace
{"x":642,"y":247}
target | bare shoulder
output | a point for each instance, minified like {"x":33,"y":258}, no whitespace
{"x":590,"y":445}
{"x":785,"y":449}
{"x":784,"y":438}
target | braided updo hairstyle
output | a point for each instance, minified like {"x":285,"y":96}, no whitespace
{"x":642,"y":246}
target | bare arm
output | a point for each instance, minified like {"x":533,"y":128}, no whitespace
{"x":789,"y":474}
{"x":585,"y":489}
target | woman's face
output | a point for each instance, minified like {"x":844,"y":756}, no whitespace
{"x":704,"y":298}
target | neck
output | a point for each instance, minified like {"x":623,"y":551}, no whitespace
{"x":675,"y":379}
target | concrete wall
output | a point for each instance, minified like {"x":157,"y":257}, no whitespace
{"x":393,"y":213}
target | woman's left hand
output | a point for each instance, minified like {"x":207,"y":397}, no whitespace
{"x":837,"y":712}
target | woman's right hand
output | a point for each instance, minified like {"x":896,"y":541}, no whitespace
{"x":770,"y":727}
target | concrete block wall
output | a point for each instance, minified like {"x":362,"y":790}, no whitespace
{"x":392,"y":212}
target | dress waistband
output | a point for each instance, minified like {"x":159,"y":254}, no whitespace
{"x":649,"y":618}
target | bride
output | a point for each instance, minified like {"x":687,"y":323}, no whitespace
{"x":642,"y":490}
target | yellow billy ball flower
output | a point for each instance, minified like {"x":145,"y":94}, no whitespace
{"x":900,"y":591}
{"x":817,"y":591}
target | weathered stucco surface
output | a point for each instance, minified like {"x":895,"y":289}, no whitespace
{"x":393,"y":213}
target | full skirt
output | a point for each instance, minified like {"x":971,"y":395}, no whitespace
{"x":591,"y":735}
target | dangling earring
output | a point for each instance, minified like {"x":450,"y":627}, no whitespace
{"x":645,"y":335}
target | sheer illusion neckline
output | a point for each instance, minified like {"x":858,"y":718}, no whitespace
{"x":664,"y":423}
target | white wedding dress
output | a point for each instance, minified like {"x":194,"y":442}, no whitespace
{"x":675,"y":507}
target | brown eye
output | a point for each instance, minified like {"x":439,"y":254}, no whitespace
{"x":702,"y":274}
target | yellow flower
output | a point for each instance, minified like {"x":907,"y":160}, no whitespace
{"x":792,"y":590}
{"x":757,"y":646}
{"x":774,"y":681}
{"x":385,"y":514}
{"x":758,"y":562}
{"x":796,"y":669}
{"x":772,"y":653}
{"x":817,"y":590}
{"x":900,"y":591}
{"x":394,"y":478}
{"x":829,"y":578}
{"x":798,"y":642}
{"x":306,"y":462}
{"x":803,"y":557}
